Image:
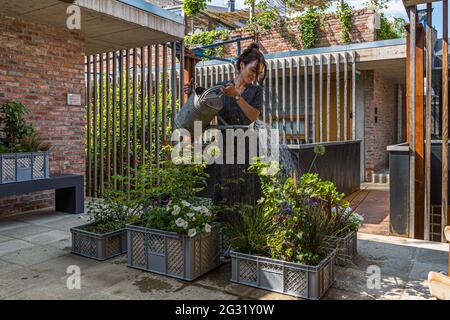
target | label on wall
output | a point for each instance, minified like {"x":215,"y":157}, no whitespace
{"x":74,"y":99}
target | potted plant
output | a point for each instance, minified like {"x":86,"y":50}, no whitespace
{"x":104,"y":236}
{"x":342,"y":222}
{"x":24,"y":155}
{"x":175,"y":234}
{"x":279,"y":245}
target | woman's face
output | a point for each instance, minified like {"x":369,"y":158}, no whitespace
{"x":249,"y":72}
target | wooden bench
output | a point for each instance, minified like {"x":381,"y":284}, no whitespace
{"x":69,"y":191}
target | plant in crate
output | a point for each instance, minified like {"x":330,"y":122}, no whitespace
{"x":176,"y":234}
{"x":23,"y":154}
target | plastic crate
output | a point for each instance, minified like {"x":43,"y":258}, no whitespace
{"x":346,"y":248}
{"x":24,"y":166}
{"x":309,"y":282}
{"x":172,"y":254}
{"x":98,"y":246}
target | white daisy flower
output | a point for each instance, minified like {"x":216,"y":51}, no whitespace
{"x":176,"y":210}
{"x":180,"y":222}
{"x":190,"y":214}
{"x":185,"y":203}
{"x":207,"y":228}
{"x":192,"y":233}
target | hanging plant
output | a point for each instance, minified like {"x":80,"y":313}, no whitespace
{"x":345,"y":18}
{"x":307,"y":27}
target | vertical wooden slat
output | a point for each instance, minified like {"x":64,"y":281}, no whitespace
{"x":114,"y":119}
{"x":444,"y":119}
{"x":121,"y":147}
{"x":277,"y":100}
{"x":428,"y":126}
{"x":182,"y":61}
{"x":101,"y":106}
{"x":412,"y":104}
{"x":135,"y":94}
{"x":270,"y":93}
{"x":174,"y":85}
{"x":297,"y":89}
{"x":89,"y":129}
{"x":95,"y":126}
{"x":164,"y":95}
{"x":150,"y":102}
{"x":157,"y":90}
{"x":345,"y":96}
{"x":321,"y":98}
{"x":283,"y":86}
{"x":328,"y":97}
{"x":313,"y":81}
{"x":127,"y":114}
{"x":142,"y":102}
{"x":291,"y":100}
{"x":338,"y":96}
{"x":354,"y":95}
{"x":306,"y":101}
{"x":108,"y":121}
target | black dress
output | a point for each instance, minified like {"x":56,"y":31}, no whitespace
{"x":231,"y":113}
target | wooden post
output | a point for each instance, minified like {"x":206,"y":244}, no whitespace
{"x":189,"y":68}
{"x":444,"y":117}
{"x":428,"y":126}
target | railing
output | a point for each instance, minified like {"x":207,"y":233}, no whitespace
{"x":303,"y":87}
{"x":132,"y":97}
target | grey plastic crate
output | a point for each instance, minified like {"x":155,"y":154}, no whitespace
{"x":98,"y":246}
{"x":172,"y":254}
{"x":24,"y":166}
{"x":346,"y":248}
{"x":309,"y":282}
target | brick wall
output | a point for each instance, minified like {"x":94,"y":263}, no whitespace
{"x":329,"y":34}
{"x":380,"y":100}
{"x":39,"y":65}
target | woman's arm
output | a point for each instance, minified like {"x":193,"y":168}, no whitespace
{"x":250,"y":112}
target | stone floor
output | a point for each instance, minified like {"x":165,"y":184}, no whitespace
{"x":35,"y":255}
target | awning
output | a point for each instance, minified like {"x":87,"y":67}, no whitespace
{"x":107,"y":24}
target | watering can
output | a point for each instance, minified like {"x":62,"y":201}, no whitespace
{"x":203,"y":105}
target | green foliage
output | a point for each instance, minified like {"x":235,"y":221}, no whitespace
{"x":12,"y":118}
{"x":265,"y":17}
{"x":207,"y":38}
{"x":194,"y":7}
{"x":32,"y":143}
{"x":391,"y":29}
{"x":345,"y":17}
{"x":252,"y":230}
{"x":307,"y":27}
{"x":180,"y":216}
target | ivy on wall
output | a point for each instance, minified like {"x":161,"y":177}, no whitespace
{"x":344,"y":13}
{"x":308,"y":24}
{"x":194,"y":7}
{"x":207,"y":38}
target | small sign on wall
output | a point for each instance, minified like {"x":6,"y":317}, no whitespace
{"x":74,"y":99}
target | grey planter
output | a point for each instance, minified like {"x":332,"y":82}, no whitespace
{"x":24,"y":166}
{"x":346,"y":248}
{"x":172,"y":254}
{"x":309,"y":282}
{"x":98,"y":246}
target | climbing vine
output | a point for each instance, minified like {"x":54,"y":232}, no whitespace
{"x":207,"y":38}
{"x":308,"y":24}
{"x":345,"y":17}
{"x":194,"y":7}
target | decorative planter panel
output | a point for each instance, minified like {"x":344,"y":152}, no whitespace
{"x":346,"y":248}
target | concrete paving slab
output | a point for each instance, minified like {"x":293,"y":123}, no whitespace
{"x":420,"y":270}
{"x":432,"y":256}
{"x":21,"y":280}
{"x":338,"y":294}
{"x":67,"y":223}
{"x":13,"y":245}
{"x":7,"y":224}
{"x":30,"y":256}
{"x":58,"y":266}
{"x":416,"y":290}
{"x":48,"y":237}
{"x":63,"y":244}
{"x":6,"y":267}
{"x":5,"y":238}
{"x":42,"y":217}
{"x":27,"y":230}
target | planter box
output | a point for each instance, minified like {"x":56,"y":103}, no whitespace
{"x":172,"y":254}
{"x":98,"y":246}
{"x":346,"y":248}
{"x":309,"y":282}
{"x":25,"y":166}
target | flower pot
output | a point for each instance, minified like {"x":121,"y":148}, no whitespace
{"x":24,"y":166}
{"x":172,"y":254}
{"x":309,"y":282}
{"x":346,"y":247}
{"x":98,"y":246}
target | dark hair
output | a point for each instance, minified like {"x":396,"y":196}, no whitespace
{"x":249,"y":55}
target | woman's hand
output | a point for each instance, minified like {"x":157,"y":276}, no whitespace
{"x":230,"y":90}
{"x":188,"y":87}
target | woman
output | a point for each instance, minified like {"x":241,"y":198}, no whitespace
{"x":243,"y":96}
